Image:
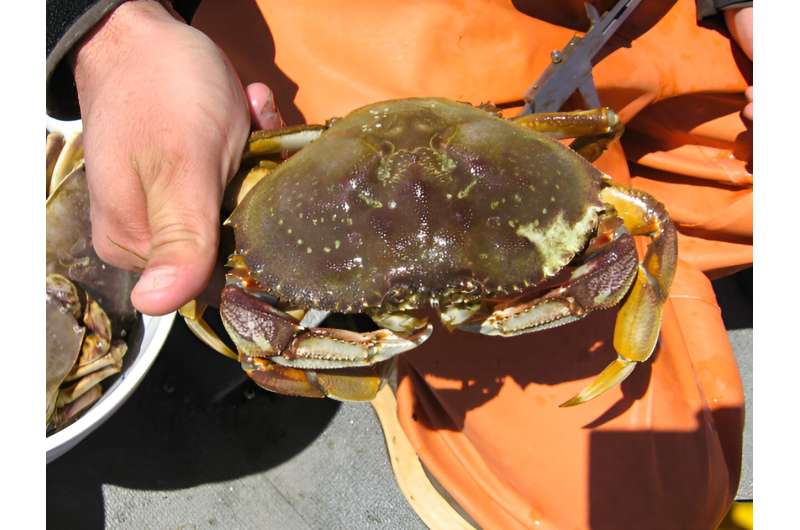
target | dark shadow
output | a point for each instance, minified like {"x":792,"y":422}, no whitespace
{"x":480,"y":365}
{"x":567,"y":13}
{"x":251,"y":48}
{"x":735,"y":298}
{"x":743,"y":150}
{"x":664,"y":477}
{"x":742,"y":61}
{"x":134,"y":340}
{"x":195,"y":419}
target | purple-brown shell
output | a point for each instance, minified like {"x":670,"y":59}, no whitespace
{"x":406,"y":201}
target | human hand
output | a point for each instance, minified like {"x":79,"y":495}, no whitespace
{"x":740,"y":25}
{"x":165,"y":120}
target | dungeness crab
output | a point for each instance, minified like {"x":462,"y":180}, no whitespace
{"x":428,"y":202}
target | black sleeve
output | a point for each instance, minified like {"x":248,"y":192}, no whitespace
{"x":68,"y":21}
{"x":709,"y":8}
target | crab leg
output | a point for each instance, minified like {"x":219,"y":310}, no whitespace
{"x":602,"y":281}
{"x":281,"y":141}
{"x":192,"y":313}
{"x":593,"y":130}
{"x":283,"y":356}
{"x":570,"y":124}
{"x":258,"y":329}
{"x":639,"y":319}
{"x":356,"y":384}
{"x":267,"y":374}
{"x":65,"y":414}
{"x":55,"y":142}
{"x":70,"y":157}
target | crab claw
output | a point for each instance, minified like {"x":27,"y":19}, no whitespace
{"x":326,"y":348}
{"x":282,"y":355}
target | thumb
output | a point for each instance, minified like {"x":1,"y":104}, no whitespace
{"x":184,"y":224}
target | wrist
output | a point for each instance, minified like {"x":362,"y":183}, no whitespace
{"x":133,"y":24}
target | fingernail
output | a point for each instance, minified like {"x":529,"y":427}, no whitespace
{"x":270,"y":120}
{"x":269,"y":102}
{"x":269,"y":116}
{"x":156,"y":279}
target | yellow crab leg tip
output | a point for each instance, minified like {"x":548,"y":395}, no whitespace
{"x":612,"y":375}
{"x":204,"y":332}
{"x":192,"y":314}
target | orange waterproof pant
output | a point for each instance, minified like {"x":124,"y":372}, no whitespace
{"x":661,"y":451}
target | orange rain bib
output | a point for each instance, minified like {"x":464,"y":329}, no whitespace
{"x":661,"y":451}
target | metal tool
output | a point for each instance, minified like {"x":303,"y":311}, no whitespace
{"x":570,"y":68}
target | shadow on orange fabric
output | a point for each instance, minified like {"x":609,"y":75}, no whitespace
{"x":661,"y":451}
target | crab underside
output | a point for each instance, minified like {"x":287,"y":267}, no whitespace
{"x":418,"y":203}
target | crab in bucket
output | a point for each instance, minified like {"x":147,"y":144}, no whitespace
{"x":425,"y":203}
{"x":88,"y":308}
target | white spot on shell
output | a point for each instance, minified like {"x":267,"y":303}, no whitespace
{"x":558,"y":241}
